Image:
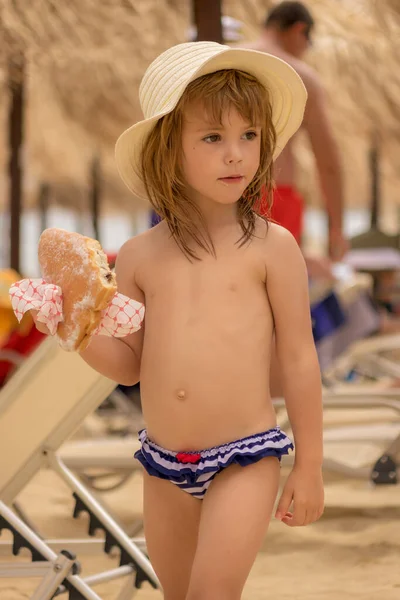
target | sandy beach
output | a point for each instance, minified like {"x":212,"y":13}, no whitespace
{"x":352,"y":552}
{"x":71,"y":73}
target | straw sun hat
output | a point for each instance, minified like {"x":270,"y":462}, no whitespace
{"x":169,"y":74}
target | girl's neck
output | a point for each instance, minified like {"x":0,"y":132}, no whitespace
{"x":216,"y":216}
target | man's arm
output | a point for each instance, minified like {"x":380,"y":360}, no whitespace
{"x":323,"y":143}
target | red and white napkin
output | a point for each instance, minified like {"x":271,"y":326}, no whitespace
{"x":122,"y":316}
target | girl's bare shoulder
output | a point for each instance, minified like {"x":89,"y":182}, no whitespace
{"x":272,"y":234}
{"x":147,"y":240}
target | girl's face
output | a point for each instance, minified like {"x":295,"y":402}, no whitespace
{"x":219,"y":160}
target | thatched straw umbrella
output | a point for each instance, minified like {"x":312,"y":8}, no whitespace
{"x":84,"y":63}
{"x":85,"y":60}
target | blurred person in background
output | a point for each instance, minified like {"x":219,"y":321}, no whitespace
{"x":287,"y":34}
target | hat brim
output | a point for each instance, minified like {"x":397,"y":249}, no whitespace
{"x":288,"y":99}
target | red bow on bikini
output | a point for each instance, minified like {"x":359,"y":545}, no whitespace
{"x":188,"y":457}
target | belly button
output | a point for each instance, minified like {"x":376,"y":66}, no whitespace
{"x":181,"y":394}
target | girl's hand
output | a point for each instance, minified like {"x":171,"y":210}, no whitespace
{"x":39,"y":326}
{"x":305,"y":489}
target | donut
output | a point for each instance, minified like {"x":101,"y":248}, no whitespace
{"x":78,"y":265}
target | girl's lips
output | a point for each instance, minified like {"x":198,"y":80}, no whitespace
{"x":234,"y":179}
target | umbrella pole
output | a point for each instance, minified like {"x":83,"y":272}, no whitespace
{"x":16,"y":73}
{"x":207,"y":18}
{"x":95,"y":194}
{"x":375,"y":191}
{"x":43,"y":204}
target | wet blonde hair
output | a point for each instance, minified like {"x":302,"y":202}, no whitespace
{"x":162,"y":156}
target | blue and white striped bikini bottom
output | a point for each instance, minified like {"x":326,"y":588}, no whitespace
{"x":194,"y":471}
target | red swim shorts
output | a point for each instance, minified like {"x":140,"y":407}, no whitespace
{"x":287,"y":209}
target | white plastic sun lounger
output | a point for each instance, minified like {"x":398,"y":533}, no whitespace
{"x":42,"y":404}
{"x":382,"y":468}
{"x":351,"y":347}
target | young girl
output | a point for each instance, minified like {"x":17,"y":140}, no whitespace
{"x":218,"y":283}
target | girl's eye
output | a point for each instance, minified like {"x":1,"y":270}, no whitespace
{"x":210,"y":139}
{"x":250,"y":135}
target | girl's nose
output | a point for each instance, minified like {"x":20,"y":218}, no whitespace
{"x":233,"y":154}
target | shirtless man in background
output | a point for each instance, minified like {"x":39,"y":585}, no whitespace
{"x":287,"y":34}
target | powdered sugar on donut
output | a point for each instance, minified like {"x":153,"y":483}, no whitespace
{"x":79,"y":267}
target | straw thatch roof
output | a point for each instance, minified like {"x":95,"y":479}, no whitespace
{"x":84,"y":61}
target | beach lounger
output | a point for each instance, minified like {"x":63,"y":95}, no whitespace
{"x":357,"y":372}
{"x":364,"y":447}
{"x":41,"y":405}
{"x":345,"y":326}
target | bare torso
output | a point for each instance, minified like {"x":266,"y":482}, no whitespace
{"x":284,"y":167}
{"x":207,"y":341}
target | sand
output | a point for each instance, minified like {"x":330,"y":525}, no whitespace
{"x":352,"y":552}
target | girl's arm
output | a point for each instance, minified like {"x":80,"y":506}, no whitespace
{"x":113,"y":358}
{"x":116,"y":358}
{"x":287,"y":288}
{"x":119,"y":358}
